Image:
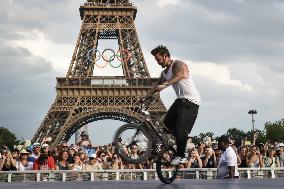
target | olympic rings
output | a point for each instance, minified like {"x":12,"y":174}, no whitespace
{"x":119,"y":55}
{"x":128,"y":56}
{"x":110,"y":63}
{"x":103,"y":66}
{"x":91,"y":55}
{"x":113,"y":56}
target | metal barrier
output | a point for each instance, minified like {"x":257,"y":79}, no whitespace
{"x":130,"y":174}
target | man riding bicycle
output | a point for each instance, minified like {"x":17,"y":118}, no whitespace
{"x":182,"y":114}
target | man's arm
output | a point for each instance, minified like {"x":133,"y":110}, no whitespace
{"x":231,"y":171}
{"x":153,"y":90}
{"x":180,"y":71}
{"x":161,"y":80}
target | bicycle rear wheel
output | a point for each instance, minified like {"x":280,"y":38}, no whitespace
{"x":127,"y":138}
{"x":165,"y":171}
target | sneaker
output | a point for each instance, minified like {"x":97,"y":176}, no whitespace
{"x":177,"y":160}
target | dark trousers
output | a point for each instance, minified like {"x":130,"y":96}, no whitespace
{"x":180,"y":119}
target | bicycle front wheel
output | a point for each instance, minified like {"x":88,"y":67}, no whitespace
{"x":132,"y":144}
{"x":166,"y":172}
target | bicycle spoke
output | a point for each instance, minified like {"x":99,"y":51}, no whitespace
{"x":165,"y":171}
{"x":133,"y":145}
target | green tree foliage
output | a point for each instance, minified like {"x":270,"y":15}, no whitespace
{"x":201,"y":137}
{"x":274,"y":131}
{"x":236,"y":135}
{"x":7,"y":138}
{"x":260,"y":136}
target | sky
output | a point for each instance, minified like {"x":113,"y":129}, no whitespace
{"x":234,"y":48}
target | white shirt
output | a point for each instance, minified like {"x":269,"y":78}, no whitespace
{"x":21,"y":167}
{"x":228,"y":158}
{"x":184,"y":88}
{"x":76,"y":167}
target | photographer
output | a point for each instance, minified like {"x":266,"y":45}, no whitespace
{"x":194,"y":160}
{"x":116,"y":162}
{"x":78,"y":165}
{"x":85,"y":141}
{"x":105,"y":156}
{"x":7,"y":163}
{"x":271,"y":160}
{"x":209,"y":159}
{"x":255,"y":159}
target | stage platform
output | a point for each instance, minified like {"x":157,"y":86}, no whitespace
{"x":154,"y":184}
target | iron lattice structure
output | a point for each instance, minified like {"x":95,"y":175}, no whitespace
{"x":83,"y":98}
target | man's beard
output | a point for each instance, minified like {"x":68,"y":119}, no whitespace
{"x":222,"y":148}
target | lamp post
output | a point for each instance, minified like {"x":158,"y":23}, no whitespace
{"x":252,"y":112}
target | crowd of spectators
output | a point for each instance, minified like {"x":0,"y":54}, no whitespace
{"x":84,"y":156}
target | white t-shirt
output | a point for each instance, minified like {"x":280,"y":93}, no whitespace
{"x":21,"y":167}
{"x":228,"y":158}
{"x":77,"y":167}
{"x":184,"y":88}
{"x":85,"y":143}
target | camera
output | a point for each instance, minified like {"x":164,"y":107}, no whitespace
{"x":104,"y":148}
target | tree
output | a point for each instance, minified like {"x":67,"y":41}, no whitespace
{"x":260,"y":136}
{"x":201,"y":137}
{"x":236,"y":135}
{"x":7,"y":138}
{"x":274,"y":131}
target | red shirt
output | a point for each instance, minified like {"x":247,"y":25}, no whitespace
{"x":50,"y":164}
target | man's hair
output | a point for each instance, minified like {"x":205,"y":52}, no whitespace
{"x":161,"y":50}
{"x":225,"y":139}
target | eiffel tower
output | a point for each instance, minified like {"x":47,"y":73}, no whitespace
{"x":83,"y":98}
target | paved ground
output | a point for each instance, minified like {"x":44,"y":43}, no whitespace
{"x":178,"y":184}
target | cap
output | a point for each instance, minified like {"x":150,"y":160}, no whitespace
{"x":36,"y":144}
{"x":214,"y":142}
{"x":24,"y":151}
{"x":92,"y":156}
{"x":225,"y":139}
{"x":84,"y":133}
{"x":44,"y":145}
{"x":29,"y":148}
{"x":281,"y":145}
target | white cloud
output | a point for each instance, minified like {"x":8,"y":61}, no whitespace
{"x":236,"y":56}
{"x":164,"y":3}
{"x":59,"y":54}
{"x":218,"y":73}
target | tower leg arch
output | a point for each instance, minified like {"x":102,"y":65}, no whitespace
{"x":89,"y":116}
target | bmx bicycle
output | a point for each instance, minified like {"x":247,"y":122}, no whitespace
{"x":150,"y":141}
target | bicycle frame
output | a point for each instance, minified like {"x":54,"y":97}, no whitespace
{"x":149,"y":126}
